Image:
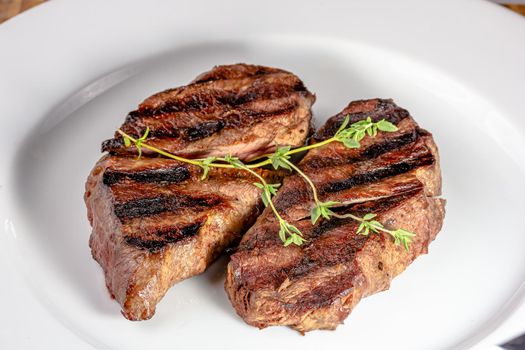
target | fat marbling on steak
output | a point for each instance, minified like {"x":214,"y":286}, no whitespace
{"x":154,"y":221}
{"x":316,"y":285}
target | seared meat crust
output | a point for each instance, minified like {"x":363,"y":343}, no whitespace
{"x":316,"y":285}
{"x":241,"y":109}
{"x":154,"y":221}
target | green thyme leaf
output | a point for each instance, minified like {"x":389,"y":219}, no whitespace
{"x":403,"y":237}
{"x":234,"y":161}
{"x":269,"y":190}
{"x":279,"y":156}
{"x":315,"y":214}
{"x":322,"y":209}
{"x":293,"y":229}
{"x":352,"y":135}
{"x":272,"y":188}
{"x":297,"y":239}
{"x":289,"y":233}
{"x":359,"y":135}
{"x":265,"y":198}
{"x":385,"y":125}
{"x":375,"y":226}
{"x":351,"y":143}
{"x":282,"y":232}
{"x":349,"y":135}
{"x":145,"y":136}
{"x":366,"y":224}
{"x":369,"y":216}
{"x":138,"y":143}
{"x":344,"y":124}
{"x":205,"y":165}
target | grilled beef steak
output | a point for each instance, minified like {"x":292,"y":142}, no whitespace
{"x":240,"y":109}
{"x":154,"y":221}
{"x":316,"y":285}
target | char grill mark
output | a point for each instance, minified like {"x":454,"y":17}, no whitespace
{"x":151,"y":206}
{"x":287,"y":199}
{"x":377,"y":175}
{"x":211,"y":107}
{"x":211,"y":100}
{"x":203,"y":130}
{"x":166,"y":236}
{"x":379,"y":109}
{"x":234,"y":119}
{"x":111,"y":145}
{"x":330,"y":242}
{"x":330,"y":225}
{"x":359,"y":209}
{"x":371,"y":152}
{"x":324,"y":295}
{"x":388,"y":145}
{"x":171,"y":175}
{"x":317,"y":284}
{"x":155,"y":224}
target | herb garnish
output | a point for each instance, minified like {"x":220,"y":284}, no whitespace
{"x":349,"y":136}
{"x":400,"y":235}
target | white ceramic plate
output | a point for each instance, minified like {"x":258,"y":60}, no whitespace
{"x":70,"y":71}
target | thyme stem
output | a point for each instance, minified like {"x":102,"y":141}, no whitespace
{"x":265,"y":184}
{"x":159,"y":151}
{"x":350,"y":137}
{"x":305,"y":177}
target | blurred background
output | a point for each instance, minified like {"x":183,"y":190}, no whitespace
{"x":10,"y":8}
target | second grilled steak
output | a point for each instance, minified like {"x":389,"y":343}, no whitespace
{"x":154,"y":221}
{"x":316,"y":285}
{"x":241,"y":109}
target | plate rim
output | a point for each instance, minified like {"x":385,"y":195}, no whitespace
{"x":17,"y":27}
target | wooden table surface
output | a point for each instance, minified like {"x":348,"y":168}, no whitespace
{"x":10,"y":8}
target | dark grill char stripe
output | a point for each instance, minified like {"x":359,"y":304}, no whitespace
{"x":151,"y":206}
{"x":111,"y":145}
{"x":240,"y":119}
{"x":349,"y":246}
{"x":377,"y":174}
{"x":359,"y":209}
{"x":171,"y":235}
{"x":371,"y":152}
{"x":152,"y":245}
{"x":288,"y":199}
{"x":235,"y":119}
{"x":329,"y":225}
{"x":172,"y":175}
{"x":377,"y":149}
{"x":224,"y":99}
{"x":204,"y":130}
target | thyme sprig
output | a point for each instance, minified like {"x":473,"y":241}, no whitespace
{"x":287,"y":232}
{"x":349,"y":135}
{"x":367,"y":225}
{"x":138,"y":142}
